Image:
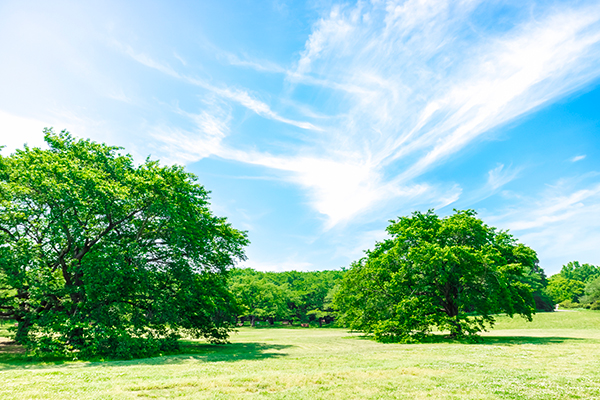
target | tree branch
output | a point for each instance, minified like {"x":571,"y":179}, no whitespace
{"x":8,"y":232}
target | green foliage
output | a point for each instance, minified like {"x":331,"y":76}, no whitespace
{"x":568,"y":304}
{"x":452,"y":274}
{"x":580,"y":272}
{"x":100,"y":256}
{"x":543,"y":301}
{"x":576,"y":283}
{"x":292,"y":295}
{"x":592,"y":291}
{"x":310,"y":293}
{"x":257,"y":297}
{"x":117,"y":345}
{"x":562,"y":289}
{"x":535,"y":277}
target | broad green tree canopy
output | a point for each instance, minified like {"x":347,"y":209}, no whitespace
{"x":96,"y":252}
{"x":450,"y":273}
{"x":579,"y":272}
{"x":569,"y":285}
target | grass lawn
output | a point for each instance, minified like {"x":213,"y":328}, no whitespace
{"x":557,"y":356}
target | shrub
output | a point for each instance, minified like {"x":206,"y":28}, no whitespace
{"x":567,"y":304}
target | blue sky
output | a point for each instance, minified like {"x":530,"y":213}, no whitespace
{"x":314,"y":123}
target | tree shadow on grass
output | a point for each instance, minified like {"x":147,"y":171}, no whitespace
{"x":506,"y":340}
{"x":484,"y":340}
{"x":190,"y":351}
{"x":205,"y":352}
{"x":539,"y":340}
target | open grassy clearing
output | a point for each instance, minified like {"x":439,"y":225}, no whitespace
{"x":555,"y":357}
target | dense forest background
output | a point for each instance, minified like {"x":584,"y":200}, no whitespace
{"x":289,"y":297}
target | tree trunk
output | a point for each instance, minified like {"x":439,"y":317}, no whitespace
{"x":456,"y":331}
{"x":22,"y":331}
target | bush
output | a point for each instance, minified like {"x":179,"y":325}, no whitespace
{"x":113,"y":345}
{"x":595,"y":305}
{"x":567,"y":304}
{"x":127,"y":347}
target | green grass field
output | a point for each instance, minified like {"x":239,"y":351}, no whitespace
{"x":557,"y":356}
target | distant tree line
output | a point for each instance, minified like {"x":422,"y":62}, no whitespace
{"x":576,"y":285}
{"x":290,"y":297}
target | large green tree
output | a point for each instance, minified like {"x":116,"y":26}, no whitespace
{"x":103,"y":256}
{"x":569,"y":284}
{"x":579,"y":272}
{"x":592,"y":293}
{"x":450,"y":273}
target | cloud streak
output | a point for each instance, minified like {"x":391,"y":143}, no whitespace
{"x":421,"y":86}
{"x":410,"y":84}
{"x":500,"y":176}
{"x":560,"y":222}
{"x":242,"y":97}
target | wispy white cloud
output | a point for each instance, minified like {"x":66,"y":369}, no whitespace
{"x":244,"y":60}
{"x":181,"y":60}
{"x":119,"y":95}
{"x":16,"y":130}
{"x":447,"y":197}
{"x":257,"y":65}
{"x":329,"y":34}
{"x":344,"y":188}
{"x":181,"y":146}
{"x":354,"y":247}
{"x":497,"y":178}
{"x":556,"y":207}
{"x":146,"y":60}
{"x":239,"y":96}
{"x":242,"y":97}
{"x":420,"y":86}
{"x":411,"y":83}
{"x":500,"y":176}
{"x":578,"y":158}
{"x":560,"y":222}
